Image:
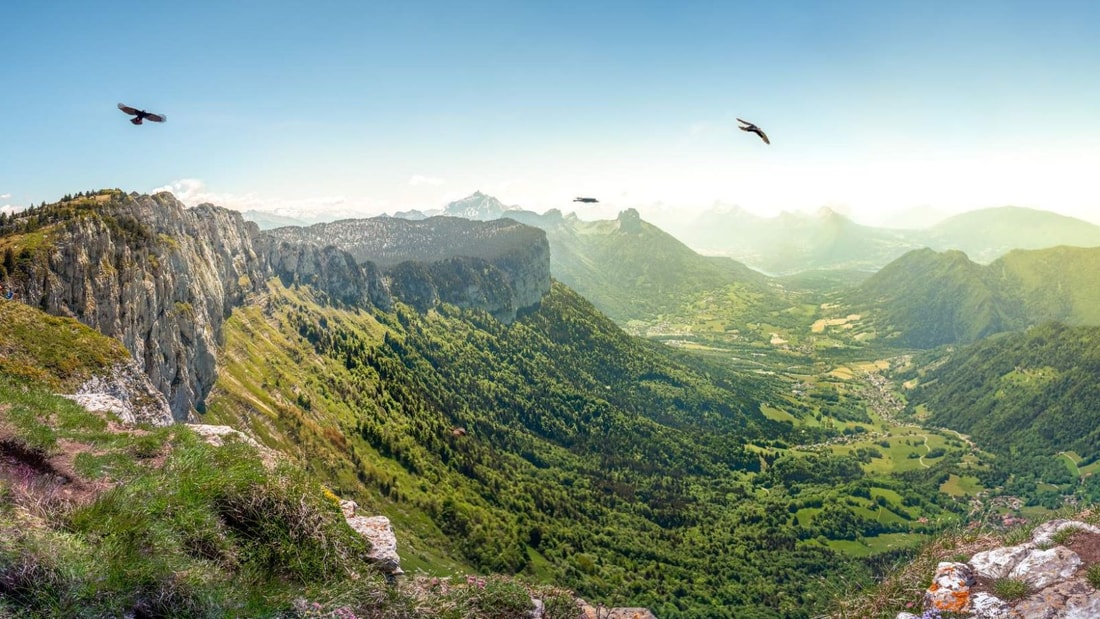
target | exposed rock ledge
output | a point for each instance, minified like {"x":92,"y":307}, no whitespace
{"x":217,"y":436}
{"x":379,"y":532}
{"x":1055,"y":577}
{"x":127,"y":392}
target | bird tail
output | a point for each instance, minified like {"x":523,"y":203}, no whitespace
{"x":136,"y":121}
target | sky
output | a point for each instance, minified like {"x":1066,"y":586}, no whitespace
{"x":880,"y":110}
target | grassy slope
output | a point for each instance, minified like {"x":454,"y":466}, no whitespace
{"x":57,"y":352}
{"x":99,"y":520}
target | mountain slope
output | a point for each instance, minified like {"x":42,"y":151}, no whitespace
{"x":99,"y":518}
{"x":631,"y":269}
{"x":555,"y":445}
{"x":925,"y":299}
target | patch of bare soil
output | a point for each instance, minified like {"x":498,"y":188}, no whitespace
{"x":1086,"y":545}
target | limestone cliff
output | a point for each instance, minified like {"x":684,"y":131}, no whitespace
{"x":328,"y":269}
{"x":157,"y":276}
{"x":500,"y":266}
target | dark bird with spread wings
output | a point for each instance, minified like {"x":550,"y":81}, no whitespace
{"x":588,"y":200}
{"x":753,"y":129}
{"x":140,"y":115}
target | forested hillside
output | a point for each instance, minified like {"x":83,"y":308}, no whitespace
{"x":925,"y":299}
{"x":1027,"y":397}
{"x":556,"y":446}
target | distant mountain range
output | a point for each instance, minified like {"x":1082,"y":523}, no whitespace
{"x":926,"y":299}
{"x":792,"y":242}
{"x":627,"y":267}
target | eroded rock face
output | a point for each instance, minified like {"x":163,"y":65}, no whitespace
{"x":999,"y":562}
{"x":379,"y":532}
{"x":501,"y":266}
{"x":1043,"y":535}
{"x":159,"y":277}
{"x":127,"y":392}
{"x":1042,"y":568}
{"x":328,"y":269}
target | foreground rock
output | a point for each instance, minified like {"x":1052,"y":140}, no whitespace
{"x":1057,"y":587}
{"x":127,"y":392}
{"x":379,"y":532}
{"x":602,"y":612}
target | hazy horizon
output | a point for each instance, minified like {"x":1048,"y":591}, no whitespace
{"x":876,"y":111}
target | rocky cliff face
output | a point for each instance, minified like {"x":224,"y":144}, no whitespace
{"x":500,"y":266}
{"x":162,"y":278}
{"x":328,"y":269}
{"x":157,"y":276}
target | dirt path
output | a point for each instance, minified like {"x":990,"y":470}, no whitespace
{"x":927,"y":450}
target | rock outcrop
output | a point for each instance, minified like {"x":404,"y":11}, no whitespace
{"x":127,"y":392}
{"x":1056,"y":584}
{"x":218,"y":435}
{"x":328,"y":269}
{"x":501,"y":266}
{"x":379,"y":532}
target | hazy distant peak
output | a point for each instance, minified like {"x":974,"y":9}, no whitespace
{"x":722,"y":208}
{"x":630,"y":221}
{"x":478,"y":206}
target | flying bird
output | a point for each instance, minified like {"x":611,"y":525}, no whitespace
{"x":588,"y":200}
{"x":140,"y":115}
{"x":754,"y":129}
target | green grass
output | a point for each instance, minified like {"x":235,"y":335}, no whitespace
{"x":191,"y":531}
{"x":959,"y":486}
{"x":1092,"y":574}
{"x":1010,"y":589}
{"x":59,"y":352}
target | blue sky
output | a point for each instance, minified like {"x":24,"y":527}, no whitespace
{"x":357,"y":108}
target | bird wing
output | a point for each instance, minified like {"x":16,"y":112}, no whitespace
{"x":763,"y":136}
{"x":127,"y":109}
{"x":157,"y":118}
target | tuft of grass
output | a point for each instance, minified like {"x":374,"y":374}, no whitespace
{"x":1019,"y":534}
{"x":1063,"y":535}
{"x":1010,"y":589}
{"x":1092,"y":574}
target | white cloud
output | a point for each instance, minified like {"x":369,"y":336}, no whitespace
{"x":193,"y":191}
{"x":4,"y":196}
{"x":419,"y":179}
